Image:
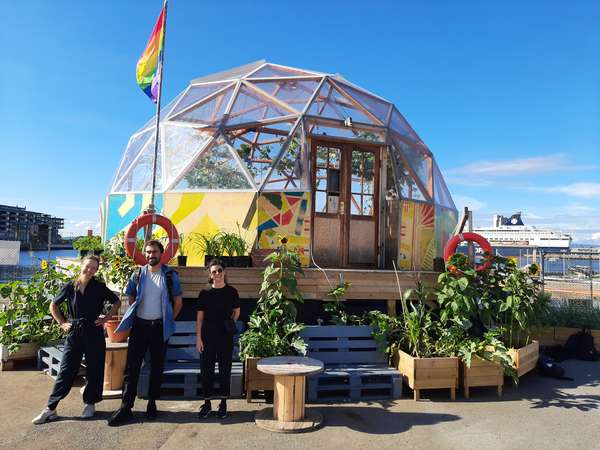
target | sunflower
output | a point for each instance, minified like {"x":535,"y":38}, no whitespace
{"x":44,"y":264}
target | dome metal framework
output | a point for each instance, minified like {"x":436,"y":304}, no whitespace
{"x":247,"y":129}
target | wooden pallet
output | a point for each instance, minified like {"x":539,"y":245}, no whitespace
{"x":181,"y":375}
{"x":49,"y":359}
{"x":355,"y":367}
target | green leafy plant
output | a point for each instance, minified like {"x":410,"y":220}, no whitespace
{"x":117,"y":266}
{"x":210,"y":243}
{"x":489,"y":348}
{"x":26,"y":316}
{"x":187,"y":242}
{"x":572,"y":317}
{"x":88,"y":243}
{"x":272,"y":328}
{"x":336,"y":308}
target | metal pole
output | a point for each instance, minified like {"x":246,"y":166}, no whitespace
{"x":49,"y":240}
{"x":591,"y":281}
{"x":151,"y":207}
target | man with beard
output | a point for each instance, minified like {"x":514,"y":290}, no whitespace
{"x":155,"y":300}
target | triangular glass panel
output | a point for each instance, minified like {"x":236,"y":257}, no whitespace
{"x":419,"y":161}
{"x":236,"y":72}
{"x":407,"y":186}
{"x":195,"y":94}
{"x":164,"y":112}
{"x":251,"y":106}
{"x":401,"y":126}
{"x":139,"y":176}
{"x":209,"y":112}
{"x":214,"y":169}
{"x":258,"y":148}
{"x":181,"y":145}
{"x":332,"y":104}
{"x":317,"y":128}
{"x":374,"y":105}
{"x":273,"y":71}
{"x":295,"y":93}
{"x":291,"y":171}
{"x":441,"y":194}
{"x":135,"y":146}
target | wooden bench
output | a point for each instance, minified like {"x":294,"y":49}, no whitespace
{"x":355,"y":368}
{"x":181,"y":375}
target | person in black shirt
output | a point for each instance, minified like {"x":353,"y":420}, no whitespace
{"x":85,"y":336}
{"x":218,"y":309}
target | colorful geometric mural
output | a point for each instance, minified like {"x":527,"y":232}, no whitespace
{"x":285,"y":214}
{"x":445,"y":222}
{"x":123,"y":208}
{"x":417,"y":243}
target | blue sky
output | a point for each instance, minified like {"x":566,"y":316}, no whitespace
{"x":506,"y":94}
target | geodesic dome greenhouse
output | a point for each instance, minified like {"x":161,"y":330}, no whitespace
{"x":268,"y":150}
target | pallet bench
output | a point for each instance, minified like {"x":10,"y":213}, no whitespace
{"x":49,"y":359}
{"x":181,"y":375}
{"x":355,"y":368}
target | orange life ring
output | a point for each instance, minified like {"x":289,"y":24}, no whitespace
{"x":149,"y":219}
{"x":454,"y":242}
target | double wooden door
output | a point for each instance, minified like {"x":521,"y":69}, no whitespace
{"x":345,"y":189}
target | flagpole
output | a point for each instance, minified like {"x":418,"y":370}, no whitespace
{"x":151,"y":208}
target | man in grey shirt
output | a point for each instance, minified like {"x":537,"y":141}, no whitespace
{"x":151,"y":317}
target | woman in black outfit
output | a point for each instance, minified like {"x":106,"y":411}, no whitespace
{"x":218,"y":309}
{"x":85,"y":336}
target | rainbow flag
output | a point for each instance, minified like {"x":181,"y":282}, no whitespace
{"x":148,"y":67}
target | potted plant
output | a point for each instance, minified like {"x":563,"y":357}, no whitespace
{"x":209,"y":244}
{"x":25,"y":324}
{"x":184,"y":242}
{"x":272,"y":328}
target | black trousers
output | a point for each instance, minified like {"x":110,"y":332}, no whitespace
{"x":145,"y":335}
{"x":218,"y":347}
{"x":87,"y":339}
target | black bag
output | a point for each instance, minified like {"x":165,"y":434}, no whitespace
{"x":548,"y":368}
{"x":230,"y":327}
{"x":581,"y":346}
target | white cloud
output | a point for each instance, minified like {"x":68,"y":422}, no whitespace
{"x":582,"y":189}
{"x":595,"y":236}
{"x":579,"y":209}
{"x":472,"y":203}
{"x":80,"y":227}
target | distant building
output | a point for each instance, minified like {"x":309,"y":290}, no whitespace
{"x":29,"y":227}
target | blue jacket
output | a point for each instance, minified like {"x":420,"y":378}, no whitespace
{"x":137,"y":291}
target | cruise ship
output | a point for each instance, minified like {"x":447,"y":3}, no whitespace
{"x":512,"y":232}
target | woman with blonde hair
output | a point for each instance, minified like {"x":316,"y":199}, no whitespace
{"x":85,"y":336}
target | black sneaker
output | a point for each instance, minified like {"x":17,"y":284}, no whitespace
{"x":205,"y":411}
{"x":121,"y":416}
{"x":151,"y":410}
{"x":222,"y":412}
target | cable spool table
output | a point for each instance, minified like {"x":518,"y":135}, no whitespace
{"x":114,"y":366}
{"x":288,"y":414}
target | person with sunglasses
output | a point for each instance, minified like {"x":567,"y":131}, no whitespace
{"x":218,"y":309}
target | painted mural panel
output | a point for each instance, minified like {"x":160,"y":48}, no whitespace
{"x":285,"y":214}
{"x":417,"y":242}
{"x":445,"y":222}
{"x":209,"y":213}
{"x":123,"y":208}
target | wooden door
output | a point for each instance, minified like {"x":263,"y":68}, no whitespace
{"x":345,"y":188}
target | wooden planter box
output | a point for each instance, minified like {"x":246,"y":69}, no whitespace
{"x":525,"y":358}
{"x":481,"y":373}
{"x":562,"y":334}
{"x":27,"y":351}
{"x":427,"y":373}
{"x":544,"y":335}
{"x":255,"y":380}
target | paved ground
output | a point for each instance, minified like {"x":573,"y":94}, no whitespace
{"x":541,"y":413}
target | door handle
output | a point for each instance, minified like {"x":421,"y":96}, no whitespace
{"x":342,"y":208}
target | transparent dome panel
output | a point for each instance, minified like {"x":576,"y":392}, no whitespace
{"x":332,"y":103}
{"x":441,"y":193}
{"x":139,"y":176}
{"x":195,"y":94}
{"x":419,"y":161}
{"x":375,"y":106}
{"x":134,"y":148}
{"x":251,"y":106}
{"x":274,"y":71}
{"x":209,"y":111}
{"x":216,"y":168}
{"x":295,"y":93}
{"x":291,"y":171}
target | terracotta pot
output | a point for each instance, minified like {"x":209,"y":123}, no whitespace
{"x":114,"y":336}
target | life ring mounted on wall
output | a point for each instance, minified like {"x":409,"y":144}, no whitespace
{"x":455,"y":241}
{"x":143,"y":221}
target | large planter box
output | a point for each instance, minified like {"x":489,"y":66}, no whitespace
{"x":562,"y":334}
{"x":255,"y":380}
{"x":427,"y":373}
{"x":525,"y":358}
{"x":481,"y":373}
{"x":544,"y":335}
{"x":27,"y":351}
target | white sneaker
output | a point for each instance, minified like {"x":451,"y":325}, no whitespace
{"x":46,"y":415}
{"x":88,"y":411}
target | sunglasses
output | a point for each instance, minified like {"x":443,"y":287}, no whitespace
{"x":214,"y":272}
